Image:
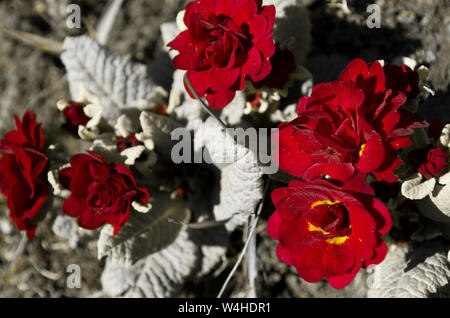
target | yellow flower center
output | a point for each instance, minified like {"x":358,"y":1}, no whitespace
{"x":363,"y":146}
{"x":312,"y":228}
{"x":324,"y":202}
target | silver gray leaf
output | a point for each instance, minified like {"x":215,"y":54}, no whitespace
{"x":241,"y":184}
{"x":415,"y":189}
{"x":116,"y":279}
{"x":441,"y":196}
{"x":411,"y":273}
{"x":158,"y":129}
{"x":115,"y":79}
{"x":144,"y":233}
{"x":163,"y":273}
{"x":194,"y":253}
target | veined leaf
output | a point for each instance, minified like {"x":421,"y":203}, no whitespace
{"x":241,"y":184}
{"x":411,"y":273}
{"x":163,"y":273}
{"x":116,"y":80}
{"x":144,"y":233}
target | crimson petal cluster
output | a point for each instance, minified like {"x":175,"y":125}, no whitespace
{"x":327,"y":231}
{"x":23,"y":172}
{"x":226,"y":43}
{"x":329,"y":225}
{"x":74,"y":116}
{"x":127,"y":142}
{"x":431,"y":162}
{"x":348,"y":126}
{"x":101,"y":192}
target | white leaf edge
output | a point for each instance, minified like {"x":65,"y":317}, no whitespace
{"x":393,"y":279}
{"x":415,"y":189}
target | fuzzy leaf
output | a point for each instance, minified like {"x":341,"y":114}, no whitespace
{"x":158,"y":275}
{"x":240,"y":174}
{"x":190,"y":111}
{"x":143,"y":234}
{"x":406,"y":273}
{"x":155,"y":125}
{"x":158,"y":129}
{"x":415,"y":189}
{"x":436,"y":205}
{"x":116,"y":279}
{"x":445,"y":179}
{"x":115,"y":79}
{"x":132,"y":154}
{"x":441,"y":199}
{"x":444,"y":140}
{"x":193,"y":254}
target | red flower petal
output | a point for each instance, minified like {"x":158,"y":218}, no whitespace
{"x":266,"y":68}
{"x":74,"y":117}
{"x":371,"y":155}
{"x":386,"y":172}
{"x":90,"y":220}
{"x":284,"y":254}
{"x":280,"y":193}
{"x":226,"y":42}
{"x":289,"y":157}
{"x":341,"y":281}
{"x":74,"y":206}
{"x":355,"y":69}
{"x":402,"y":78}
{"x":242,"y":11}
{"x":339,"y":172}
{"x":273,"y":225}
{"x":220,"y":100}
{"x":23,"y":172}
{"x":254,"y":62}
{"x":363,"y":232}
{"x":326,"y":231}
{"x":101,"y":192}
{"x":384,"y":222}
{"x":379,"y":254}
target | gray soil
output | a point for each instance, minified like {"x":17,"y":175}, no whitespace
{"x":34,"y":80}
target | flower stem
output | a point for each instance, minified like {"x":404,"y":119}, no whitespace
{"x":205,"y":106}
{"x":250,"y":258}
{"x":253,"y":222}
